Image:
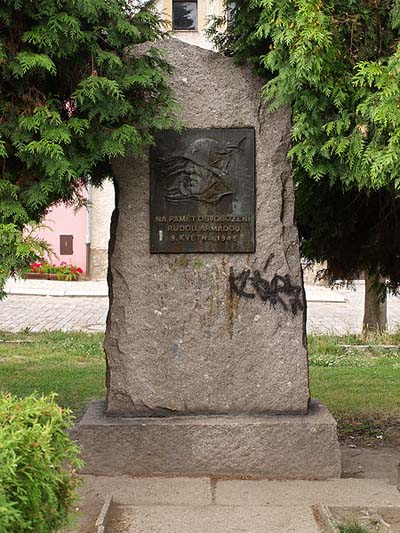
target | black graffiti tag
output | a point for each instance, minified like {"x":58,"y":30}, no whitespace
{"x":238,"y":283}
{"x":278,"y":291}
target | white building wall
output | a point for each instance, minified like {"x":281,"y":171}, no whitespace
{"x":206,"y":9}
{"x":102,"y":206}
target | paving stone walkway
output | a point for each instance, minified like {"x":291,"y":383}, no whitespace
{"x":82,"y":306}
{"x":203,"y":505}
{"x":51,"y":313}
{"x":344,"y":317}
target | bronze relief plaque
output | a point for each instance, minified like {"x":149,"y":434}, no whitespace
{"x":202,"y":191}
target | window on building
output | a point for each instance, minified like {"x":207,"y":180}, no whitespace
{"x":184,"y":15}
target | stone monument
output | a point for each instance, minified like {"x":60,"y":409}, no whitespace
{"x":206,"y":349}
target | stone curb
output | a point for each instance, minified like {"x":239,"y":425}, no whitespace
{"x":325,"y":516}
{"x":57,"y":293}
{"x":101,"y":522}
{"x":323,"y":295}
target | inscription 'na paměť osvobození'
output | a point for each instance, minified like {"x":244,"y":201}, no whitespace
{"x":202,"y":193}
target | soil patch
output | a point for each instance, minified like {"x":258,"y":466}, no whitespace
{"x":369,"y":432}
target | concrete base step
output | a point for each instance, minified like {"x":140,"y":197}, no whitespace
{"x":268,"y":446}
{"x":203,"y":491}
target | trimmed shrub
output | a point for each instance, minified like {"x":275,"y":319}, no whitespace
{"x":38,"y":463}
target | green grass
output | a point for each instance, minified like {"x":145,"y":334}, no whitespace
{"x":353,"y":528}
{"x":71,"y":364}
{"x":356,"y":382}
{"x":361,"y":387}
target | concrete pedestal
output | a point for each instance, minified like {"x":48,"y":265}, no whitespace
{"x":272,"y":447}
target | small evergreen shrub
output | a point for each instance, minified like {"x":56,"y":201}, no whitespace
{"x":38,"y":464}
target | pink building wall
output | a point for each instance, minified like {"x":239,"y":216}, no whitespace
{"x":63,"y":220}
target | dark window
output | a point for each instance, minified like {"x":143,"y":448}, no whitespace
{"x":184,"y":15}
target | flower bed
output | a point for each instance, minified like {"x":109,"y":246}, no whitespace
{"x":61,"y":272}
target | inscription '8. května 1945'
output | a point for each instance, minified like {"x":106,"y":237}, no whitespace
{"x":202,"y":197}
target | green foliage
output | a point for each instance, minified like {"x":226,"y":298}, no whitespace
{"x":337,"y":64}
{"x":17,"y":251}
{"x":73,"y":95}
{"x":38,"y":465}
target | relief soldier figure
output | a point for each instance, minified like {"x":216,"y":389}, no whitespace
{"x":199,"y":173}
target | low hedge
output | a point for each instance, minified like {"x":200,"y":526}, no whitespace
{"x":38,"y":463}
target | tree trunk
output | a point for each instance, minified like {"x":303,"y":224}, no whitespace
{"x":375,"y":309}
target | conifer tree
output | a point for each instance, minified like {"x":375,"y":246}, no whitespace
{"x":337,"y":64}
{"x":73,"y":95}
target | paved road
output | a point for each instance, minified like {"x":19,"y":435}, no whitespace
{"x":83,"y":306}
{"x":40,"y":313}
{"x":346,"y":317}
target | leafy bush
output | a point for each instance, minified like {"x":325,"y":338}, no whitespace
{"x":17,"y":250}
{"x":38,"y":464}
